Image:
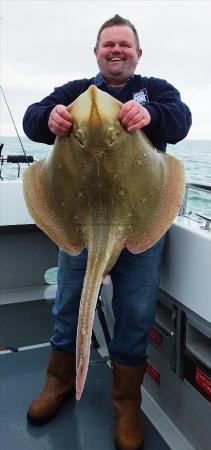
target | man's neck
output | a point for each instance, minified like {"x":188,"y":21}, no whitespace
{"x":112,"y":82}
{"x":115,"y":83}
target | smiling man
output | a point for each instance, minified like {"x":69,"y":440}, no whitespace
{"x":155,"y":106}
{"x":117,"y":54}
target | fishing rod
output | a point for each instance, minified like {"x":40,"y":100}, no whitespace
{"x":14,"y":158}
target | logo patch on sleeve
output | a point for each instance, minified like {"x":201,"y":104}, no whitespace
{"x":141,"y":96}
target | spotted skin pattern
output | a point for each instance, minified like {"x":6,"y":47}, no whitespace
{"x":104,"y":189}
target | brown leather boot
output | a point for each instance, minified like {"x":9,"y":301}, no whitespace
{"x":59,"y":385}
{"x":128,"y":432}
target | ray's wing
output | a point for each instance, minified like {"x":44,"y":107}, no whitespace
{"x":155,"y":198}
{"x":52,"y":202}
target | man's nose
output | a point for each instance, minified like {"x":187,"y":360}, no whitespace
{"x":116,"y":48}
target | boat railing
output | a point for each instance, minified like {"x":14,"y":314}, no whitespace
{"x":204,"y":220}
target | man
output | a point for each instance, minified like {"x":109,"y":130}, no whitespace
{"x":155,"y":106}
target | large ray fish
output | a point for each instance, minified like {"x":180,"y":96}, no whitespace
{"x":104,"y":189}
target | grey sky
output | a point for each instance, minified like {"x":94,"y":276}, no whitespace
{"x":45,"y":43}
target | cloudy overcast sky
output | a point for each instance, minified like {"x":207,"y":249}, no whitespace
{"x":45,"y":43}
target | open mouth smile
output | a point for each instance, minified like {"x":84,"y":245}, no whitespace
{"x":115,"y":59}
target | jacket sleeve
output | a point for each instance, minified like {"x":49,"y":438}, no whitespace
{"x":35,"y":120}
{"x":170,"y":117}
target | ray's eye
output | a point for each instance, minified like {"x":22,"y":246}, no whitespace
{"x":112,"y":135}
{"x":79,"y":135}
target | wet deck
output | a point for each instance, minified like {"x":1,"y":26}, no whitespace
{"x":84,"y":425}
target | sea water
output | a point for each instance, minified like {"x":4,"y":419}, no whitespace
{"x":195,"y":154}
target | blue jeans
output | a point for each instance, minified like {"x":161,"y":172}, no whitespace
{"x":135,"y":280}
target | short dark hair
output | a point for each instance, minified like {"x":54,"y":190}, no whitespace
{"x":118,"y":20}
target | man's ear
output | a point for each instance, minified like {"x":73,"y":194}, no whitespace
{"x":139,"y":53}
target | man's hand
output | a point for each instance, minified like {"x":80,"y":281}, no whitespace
{"x":133,"y":116}
{"x":60,"y":121}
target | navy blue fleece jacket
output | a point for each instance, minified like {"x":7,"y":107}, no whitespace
{"x":170,"y":117}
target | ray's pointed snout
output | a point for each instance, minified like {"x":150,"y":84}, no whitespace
{"x":93,"y":107}
{"x":104,"y":106}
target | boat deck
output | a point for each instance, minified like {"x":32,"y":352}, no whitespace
{"x":84,"y":425}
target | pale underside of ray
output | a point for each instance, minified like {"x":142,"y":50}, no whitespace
{"x":104,"y":189}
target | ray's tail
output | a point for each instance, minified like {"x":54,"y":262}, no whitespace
{"x":97,"y":264}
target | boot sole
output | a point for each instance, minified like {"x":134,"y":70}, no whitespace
{"x":40,"y":421}
{"x":141,"y":447}
{"x":43,"y":420}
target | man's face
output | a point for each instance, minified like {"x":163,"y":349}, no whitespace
{"x":117,"y":54}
